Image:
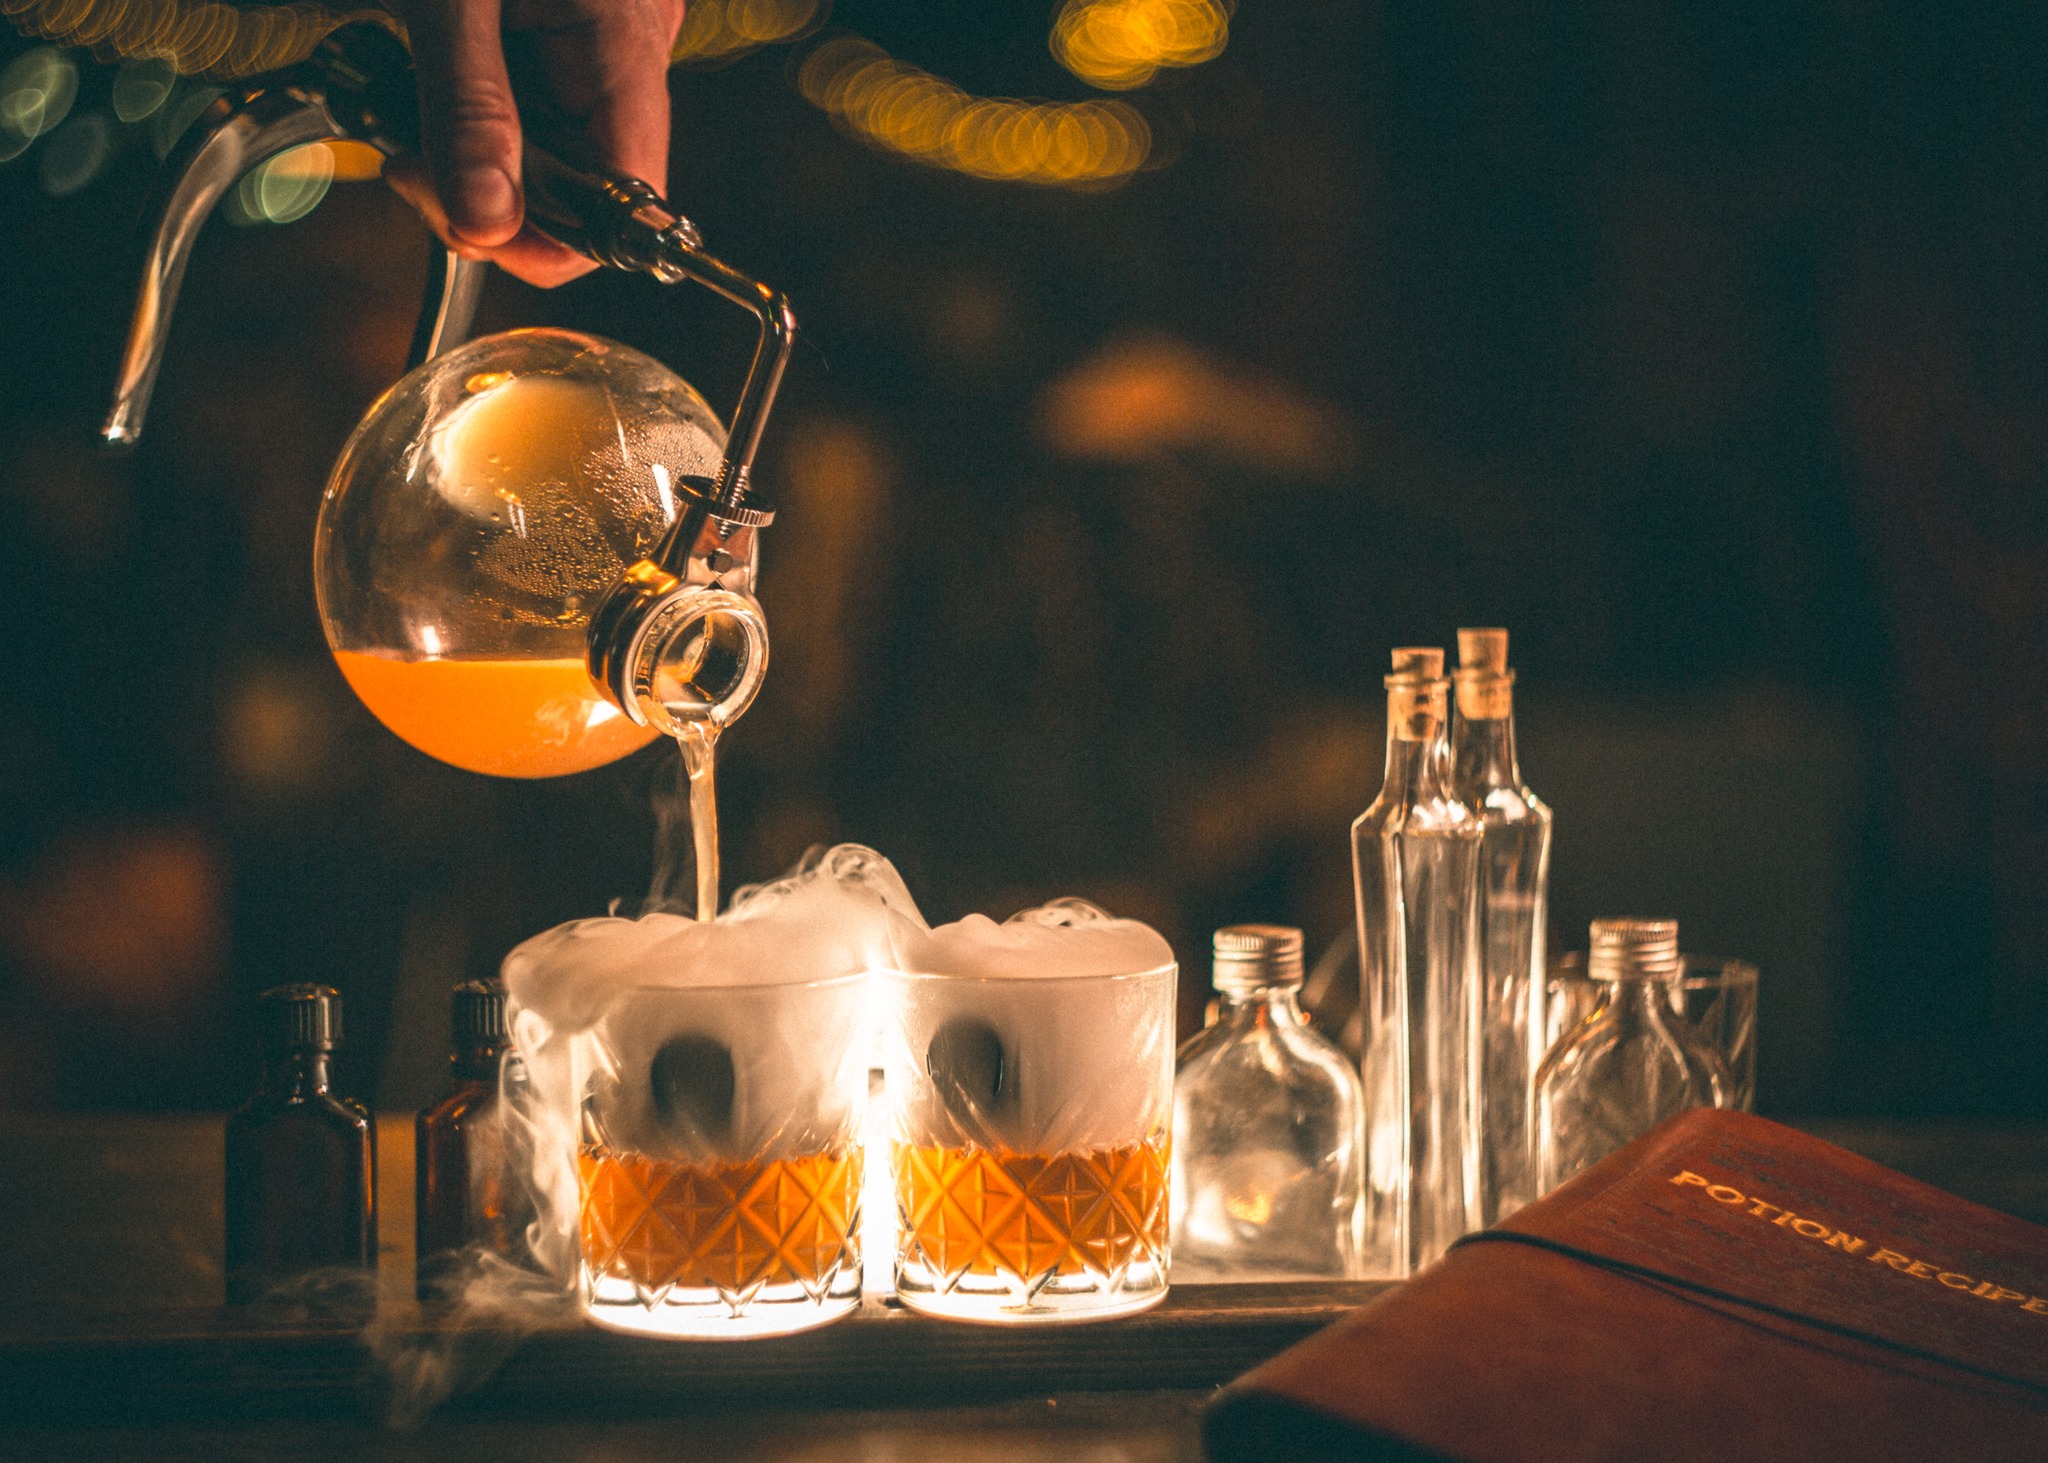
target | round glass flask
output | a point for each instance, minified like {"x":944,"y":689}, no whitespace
{"x":480,"y":515}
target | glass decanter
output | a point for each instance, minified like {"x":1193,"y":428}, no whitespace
{"x":1415,"y":859}
{"x":478,"y":518}
{"x":1268,"y":1128}
{"x":1631,"y":1063}
{"x":1514,"y":894}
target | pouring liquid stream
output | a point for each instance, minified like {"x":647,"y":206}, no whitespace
{"x":698,"y":743}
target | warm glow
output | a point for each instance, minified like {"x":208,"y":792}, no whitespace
{"x":356,"y":162}
{"x":904,"y":109}
{"x":1121,"y":44}
{"x":723,"y":30}
{"x":509,"y":718}
{"x":196,"y":37}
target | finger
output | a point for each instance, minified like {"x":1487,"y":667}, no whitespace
{"x":469,"y":123}
{"x":529,"y":255}
{"x":539,"y":260}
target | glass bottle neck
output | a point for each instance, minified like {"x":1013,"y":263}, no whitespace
{"x":299,"y":1074}
{"x":1418,"y":757}
{"x":1639,"y":1000}
{"x":1484,"y":751}
{"x":1262,"y":1005}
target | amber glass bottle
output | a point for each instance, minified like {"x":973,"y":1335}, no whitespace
{"x":469,"y":1196}
{"x":301,"y":1160}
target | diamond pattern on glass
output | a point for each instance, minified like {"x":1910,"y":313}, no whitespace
{"x":1031,"y":1219}
{"x":732,"y":1227}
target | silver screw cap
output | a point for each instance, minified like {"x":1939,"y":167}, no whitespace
{"x":1634,"y":949}
{"x":1254,"y":957}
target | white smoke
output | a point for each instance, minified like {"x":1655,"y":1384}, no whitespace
{"x":1077,"y":1011}
{"x":595,"y":998}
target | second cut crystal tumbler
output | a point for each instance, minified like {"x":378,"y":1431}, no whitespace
{"x":1031,"y":1118}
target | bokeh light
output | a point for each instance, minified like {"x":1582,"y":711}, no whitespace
{"x":716,"y":31}
{"x":36,"y":92}
{"x":1120,"y":44}
{"x":75,"y":153}
{"x":179,"y":113}
{"x":904,"y":109}
{"x":142,"y":86}
{"x":284,"y":189}
{"x":195,"y":37}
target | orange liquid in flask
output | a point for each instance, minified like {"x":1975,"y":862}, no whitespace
{"x":510,"y":718}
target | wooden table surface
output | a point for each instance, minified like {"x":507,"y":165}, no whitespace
{"x":113,"y":1343}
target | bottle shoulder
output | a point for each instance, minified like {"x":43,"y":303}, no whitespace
{"x":1438,"y":815}
{"x":1289,"y":1055}
{"x":324,"y":1110}
{"x":1621,"y":1040}
{"x":1512,"y":804}
{"x":468,"y":1101}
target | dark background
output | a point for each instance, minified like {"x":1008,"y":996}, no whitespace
{"x":1705,"y":347}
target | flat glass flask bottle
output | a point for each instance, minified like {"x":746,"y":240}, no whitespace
{"x":1631,"y":1063}
{"x":1268,"y":1128}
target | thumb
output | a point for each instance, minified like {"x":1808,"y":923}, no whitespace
{"x":469,"y":124}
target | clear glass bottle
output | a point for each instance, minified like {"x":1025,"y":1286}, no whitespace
{"x":301,"y":1160}
{"x":1514,"y":895}
{"x":1268,"y":1129}
{"x":1632,"y":1063}
{"x":469,"y":1193}
{"x":1415,"y":858}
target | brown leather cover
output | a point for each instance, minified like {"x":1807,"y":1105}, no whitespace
{"x":1723,"y":1288}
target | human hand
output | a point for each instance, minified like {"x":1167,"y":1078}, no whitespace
{"x":594,"y":73}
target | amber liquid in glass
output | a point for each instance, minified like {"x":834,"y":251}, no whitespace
{"x":509,"y":718}
{"x":729,"y":1227}
{"x":979,"y":1212}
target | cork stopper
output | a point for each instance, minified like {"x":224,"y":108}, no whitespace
{"x":1256,"y":957}
{"x":1416,"y":693}
{"x":1486,"y":687}
{"x":1483,"y":650}
{"x":1417,"y":663}
{"x":1634,"y":949}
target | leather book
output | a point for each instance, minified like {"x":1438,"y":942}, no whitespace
{"x":1722,"y":1288}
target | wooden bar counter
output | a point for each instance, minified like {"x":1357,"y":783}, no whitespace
{"x":113,"y":1341}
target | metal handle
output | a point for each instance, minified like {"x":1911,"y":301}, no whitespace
{"x":358,"y":84}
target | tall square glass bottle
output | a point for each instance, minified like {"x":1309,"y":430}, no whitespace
{"x":1514,"y":894}
{"x":1415,"y":857}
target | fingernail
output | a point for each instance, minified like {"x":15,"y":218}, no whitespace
{"x":484,"y":201}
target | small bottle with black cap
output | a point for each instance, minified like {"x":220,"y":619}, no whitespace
{"x":1268,"y":1128}
{"x":301,"y":1159}
{"x":470,"y":1195}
